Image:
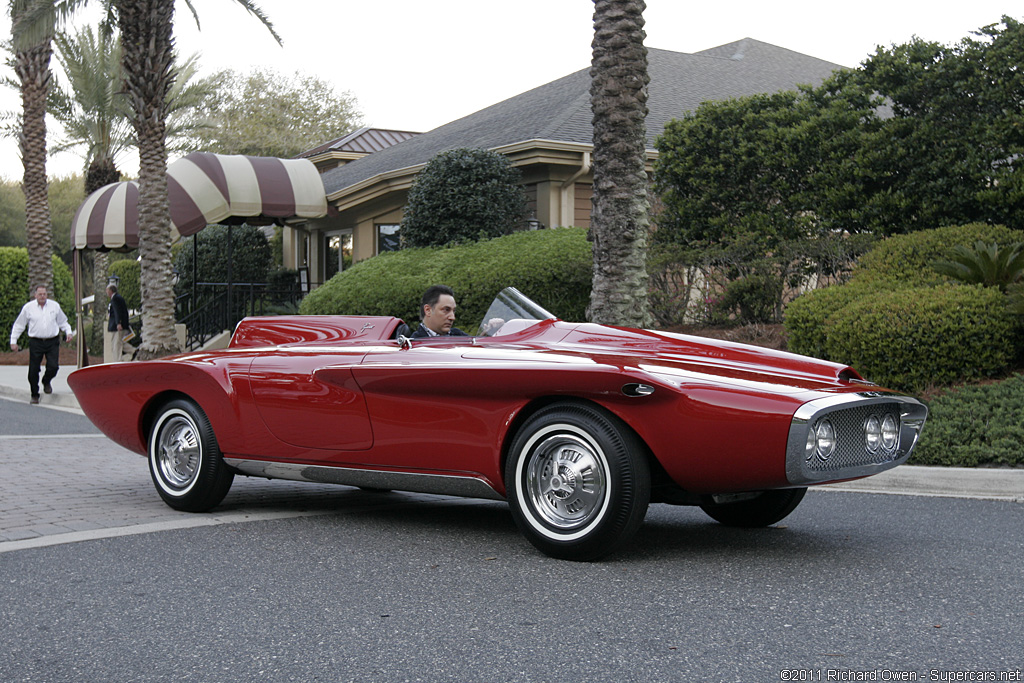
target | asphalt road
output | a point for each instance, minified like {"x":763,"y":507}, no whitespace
{"x":18,"y":418}
{"x":350,"y":586}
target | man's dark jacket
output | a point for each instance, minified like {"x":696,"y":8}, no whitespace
{"x":118,"y":313}
{"x":421,"y":331}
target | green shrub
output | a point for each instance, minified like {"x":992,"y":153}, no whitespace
{"x":899,"y":322}
{"x":463,"y":195}
{"x":750,"y":299}
{"x":975,"y":426}
{"x":15,"y":289}
{"x":809,"y":316}
{"x":552,"y":267}
{"x":129,"y":285}
{"x":913,"y":338}
{"x":251,"y":256}
{"x":911,"y":258}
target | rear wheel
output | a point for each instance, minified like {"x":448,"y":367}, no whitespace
{"x":578,"y":481}
{"x":764,"y":509}
{"x":184,"y":459}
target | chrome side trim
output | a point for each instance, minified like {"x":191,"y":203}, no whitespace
{"x":912,"y":412}
{"x":444,"y":484}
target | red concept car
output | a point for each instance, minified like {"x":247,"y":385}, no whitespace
{"x":578,"y":426}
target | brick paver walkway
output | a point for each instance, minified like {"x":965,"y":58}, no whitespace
{"x":76,"y":487}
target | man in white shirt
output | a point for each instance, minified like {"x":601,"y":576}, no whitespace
{"x":44,"y":320}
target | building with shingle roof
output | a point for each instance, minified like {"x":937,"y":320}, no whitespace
{"x":546,"y":132}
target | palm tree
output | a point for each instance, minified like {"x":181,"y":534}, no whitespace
{"x":619,"y":223}
{"x":146,"y":28}
{"x":95,"y":114}
{"x":148,"y":60}
{"x":32,"y":29}
{"x":92,"y":113}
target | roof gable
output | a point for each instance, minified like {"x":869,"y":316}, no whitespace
{"x":362,"y":141}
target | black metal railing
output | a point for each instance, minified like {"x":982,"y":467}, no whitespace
{"x":216,"y":307}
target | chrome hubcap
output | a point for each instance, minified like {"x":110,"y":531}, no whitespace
{"x":565,"y":481}
{"x":178,"y":452}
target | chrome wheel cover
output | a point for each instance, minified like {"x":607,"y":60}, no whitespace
{"x":178,"y":451}
{"x":566,"y":481}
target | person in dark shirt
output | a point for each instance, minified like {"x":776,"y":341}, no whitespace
{"x":437,"y":312}
{"x":117,"y":326}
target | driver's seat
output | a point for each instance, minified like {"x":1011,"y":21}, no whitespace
{"x":402,"y":330}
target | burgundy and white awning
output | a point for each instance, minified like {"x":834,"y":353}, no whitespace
{"x":204,"y":189}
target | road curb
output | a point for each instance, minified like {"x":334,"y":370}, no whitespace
{"x":57,"y":398}
{"x":951,"y":482}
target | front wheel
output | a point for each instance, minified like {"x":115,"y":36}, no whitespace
{"x":578,"y":481}
{"x":184,"y":459}
{"x":764,"y":509}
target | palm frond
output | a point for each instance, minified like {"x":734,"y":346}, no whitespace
{"x":984,"y":264}
{"x":253,"y":9}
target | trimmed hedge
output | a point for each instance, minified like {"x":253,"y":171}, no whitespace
{"x":910,"y":259}
{"x":902,"y":324}
{"x":975,"y":426}
{"x":553,"y":267}
{"x":917,"y":337}
{"x":809,"y":317}
{"x":14,"y":289}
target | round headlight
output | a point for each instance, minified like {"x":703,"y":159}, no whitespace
{"x":826,"y":439}
{"x":812,"y":444}
{"x":890,"y":433}
{"x":872,"y":434}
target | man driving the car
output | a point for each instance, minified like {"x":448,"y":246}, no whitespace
{"x":437,"y":312}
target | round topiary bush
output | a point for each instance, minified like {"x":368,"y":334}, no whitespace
{"x":463,"y":195}
{"x":917,"y":337}
{"x":15,"y":289}
{"x":552,"y":267}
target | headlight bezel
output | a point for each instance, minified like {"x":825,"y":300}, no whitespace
{"x":802,"y":465}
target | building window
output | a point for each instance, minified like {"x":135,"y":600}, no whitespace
{"x":388,"y":237}
{"x":337,"y":252}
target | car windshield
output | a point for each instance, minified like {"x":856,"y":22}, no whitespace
{"x":511,"y":311}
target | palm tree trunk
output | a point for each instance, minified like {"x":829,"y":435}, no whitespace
{"x":148,"y":59}
{"x":32,"y":66}
{"x":619,"y":224}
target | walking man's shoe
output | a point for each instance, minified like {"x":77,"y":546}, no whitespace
{"x":35,"y":400}
{"x":47,"y":389}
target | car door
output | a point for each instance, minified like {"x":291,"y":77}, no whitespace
{"x":308,"y":397}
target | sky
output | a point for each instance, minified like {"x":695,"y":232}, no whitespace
{"x":415,"y":65}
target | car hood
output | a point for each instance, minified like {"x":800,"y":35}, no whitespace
{"x":679,"y":359}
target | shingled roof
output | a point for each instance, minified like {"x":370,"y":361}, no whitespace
{"x":560,"y":110}
{"x":363,"y":141}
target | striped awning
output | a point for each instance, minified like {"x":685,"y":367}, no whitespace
{"x":204,"y":189}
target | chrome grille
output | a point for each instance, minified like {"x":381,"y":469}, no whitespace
{"x":848,"y":413}
{"x":851,"y":449}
